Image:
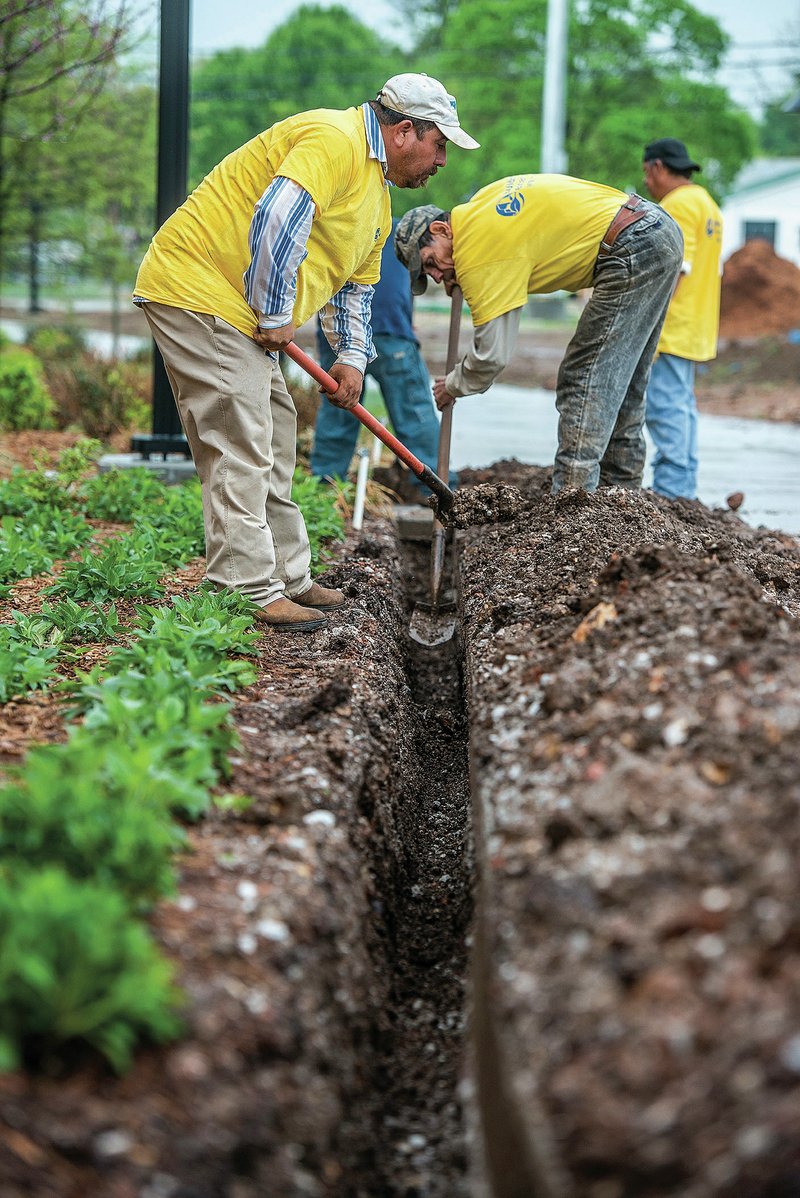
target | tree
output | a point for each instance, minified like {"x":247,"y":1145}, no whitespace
{"x":54,"y":55}
{"x":637,"y":71}
{"x":318,"y":58}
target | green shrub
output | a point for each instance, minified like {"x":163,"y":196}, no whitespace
{"x":65,"y":810}
{"x":98,"y":396}
{"x":56,"y":342}
{"x":77,"y":967}
{"x":25,"y":401}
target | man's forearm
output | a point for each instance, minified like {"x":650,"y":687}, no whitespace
{"x":491,"y":350}
{"x":346,"y":324}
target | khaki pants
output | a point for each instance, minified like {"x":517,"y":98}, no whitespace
{"x":241,"y":426}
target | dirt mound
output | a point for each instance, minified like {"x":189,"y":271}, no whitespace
{"x":760,"y":293}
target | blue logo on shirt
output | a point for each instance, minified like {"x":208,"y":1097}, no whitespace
{"x":377,"y":234}
{"x":510,"y":204}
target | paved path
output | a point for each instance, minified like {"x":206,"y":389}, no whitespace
{"x":759,"y":457}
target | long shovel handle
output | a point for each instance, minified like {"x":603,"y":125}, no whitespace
{"x":329,"y":384}
{"x":438,"y":538}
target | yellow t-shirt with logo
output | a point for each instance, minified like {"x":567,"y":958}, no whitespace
{"x":198,"y":257}
{"x":692,"y":324}
{"x":528,"y":234}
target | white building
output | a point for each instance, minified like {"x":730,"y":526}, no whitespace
{"x":765,"y":202}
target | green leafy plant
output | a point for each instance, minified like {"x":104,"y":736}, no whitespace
{"x":48,"y":485}
{"x":123,"y":567}
{"x":67,"y":808}
{"x":79,"y":625}
{"x":323,"y":521}
{"x":77,"y":967}
{"x":25,"y":401}
{"x":120,"y":494}
{"x":23,"y":667}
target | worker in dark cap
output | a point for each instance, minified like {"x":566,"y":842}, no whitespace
{"x":690,"y":331}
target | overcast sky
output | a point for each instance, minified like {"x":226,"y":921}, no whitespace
{"x":766,"y":35}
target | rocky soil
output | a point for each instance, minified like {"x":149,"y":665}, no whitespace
{"x":634,"y":703}
{"x":624,"y":754}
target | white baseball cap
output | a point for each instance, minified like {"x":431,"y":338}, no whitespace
{"x":426,"y":99}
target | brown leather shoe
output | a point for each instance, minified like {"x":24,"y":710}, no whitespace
{"x":320,"y":598}
{"x":285,"y":616}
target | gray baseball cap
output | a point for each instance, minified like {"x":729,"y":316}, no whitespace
{"x":410,"y":228}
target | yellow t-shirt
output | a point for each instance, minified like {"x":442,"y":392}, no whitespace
{"x":692,"y":324}
{"x":198,"y":257}
{"x":527,"y":234}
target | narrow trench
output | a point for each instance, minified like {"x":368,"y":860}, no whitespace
{"x":422,"y":1150}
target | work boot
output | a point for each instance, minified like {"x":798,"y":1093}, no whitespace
{"x":320,"y":598}
{"x":285,"y":616}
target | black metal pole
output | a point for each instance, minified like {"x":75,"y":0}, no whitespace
{"x":173,"y":156}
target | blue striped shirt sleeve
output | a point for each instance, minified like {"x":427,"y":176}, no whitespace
{"x":278,"y":234}
{"x":346,"y":324}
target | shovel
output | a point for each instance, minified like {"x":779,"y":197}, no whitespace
{"x":434,"y":623}
{"x":328,"y":383}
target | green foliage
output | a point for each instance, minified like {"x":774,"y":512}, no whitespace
{"x":318,"y":58}
{"x":76,"y":966}
{"x":56,"y":342}
{"x":655,"y":50}
{"x":71,"y":809}
{"x":100,"y":397}
{"x":176,"y":523}
{"x":25,"y":401}
{"x":214,"y":623}
{"x":323,"y":519}
{"x":155,"y":695}
{"x":56,"y":58}
{"x":92,"y":624}
{"x":24,"y":664}
{"x":120,"y":494}
{"x":125,"y":567}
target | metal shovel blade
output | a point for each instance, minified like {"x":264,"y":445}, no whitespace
{"x":432,"y":625}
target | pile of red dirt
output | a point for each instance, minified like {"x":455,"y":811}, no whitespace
{"x":760,"y":293}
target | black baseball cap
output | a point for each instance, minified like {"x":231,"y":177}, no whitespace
{"x":672,"y":153}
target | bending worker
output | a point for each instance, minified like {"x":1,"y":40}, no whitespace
{"x":292,"y":222}
{"x":692,"y":325}
{"x":529,"y":234}
{"x":401,"y":374}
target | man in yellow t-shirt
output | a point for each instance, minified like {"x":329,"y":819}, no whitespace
{"x":690,"y":330}
{"x":292,"y":222}
{"x":528,"y":234}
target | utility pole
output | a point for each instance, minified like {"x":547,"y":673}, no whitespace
{"x":173,"y":170}
{"x":553,"y":158}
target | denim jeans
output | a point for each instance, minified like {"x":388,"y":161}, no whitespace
{"x":602,"y":380}
{"x":406,"y":388}
{"x":672,"y":423}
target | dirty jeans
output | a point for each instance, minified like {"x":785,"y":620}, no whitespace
{"x":405,"y":385}
{"x":672,"y":423}
{"x":603,"y":377}
{"x":240,"y":423}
